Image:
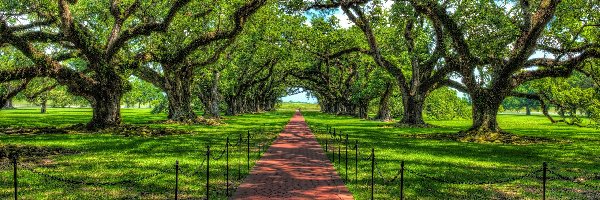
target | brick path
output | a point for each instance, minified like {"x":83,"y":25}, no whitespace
{"x":294,"y":167}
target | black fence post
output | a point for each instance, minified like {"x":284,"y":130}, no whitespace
{"x":227,"y":166}
{"x":15,"y":179}
{"x":207,"y":171}
{"x":176,"y":179}
{"x":346,"y":156}
{"x":372,"y":172}
{"x":356,"y":160}
{"x":339,"y":152}
{"x":326,"y":141}
{"x":248,"y":153}
{"x":545,"y":168}
{"x":402,"y":180}
{"x":240,"y":160}
{"x":333,"y":152}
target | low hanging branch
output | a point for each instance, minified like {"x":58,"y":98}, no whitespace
{"x":12,"y":92}
{"x":536,"y":97}
{"x":31,"y":97}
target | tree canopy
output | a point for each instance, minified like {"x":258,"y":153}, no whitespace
{"x":408,"y":59}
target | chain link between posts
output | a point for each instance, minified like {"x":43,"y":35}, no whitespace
{"x":582,"y":180}
{"x":469,"y":182}
{"x":80,"y":182}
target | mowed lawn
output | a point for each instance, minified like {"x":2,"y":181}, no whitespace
{"x":147,"y":160}
{"x":573,"y":152}
{"x":110,"y":158}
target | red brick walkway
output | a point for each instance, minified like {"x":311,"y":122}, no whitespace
{"x":294,"y":167}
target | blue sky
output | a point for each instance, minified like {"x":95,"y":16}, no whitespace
{"x":300,"y":97}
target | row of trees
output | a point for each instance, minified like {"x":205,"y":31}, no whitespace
{"x":485,"y":49}
{"x":93,"y":47}
{"x":241,"y":56}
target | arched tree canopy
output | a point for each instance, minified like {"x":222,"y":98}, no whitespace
{"x":391,"y":58}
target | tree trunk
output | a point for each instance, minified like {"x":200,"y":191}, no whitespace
{"x":211,"y":102}
{"x":43,"y":106}
{"x":178,"y":89}
{"x":180,"y":108}
{"x":527,"y":110}
{"x":384,"y":113}
{"x":363,"y":109}
{"x":8,"y":104}
{"x":106,"y":105}
{"x":413,"y":110}
{"x":232,"y":106}
{"x":485,"y":110}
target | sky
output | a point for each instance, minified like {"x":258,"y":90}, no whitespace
{"x":300,"y":97}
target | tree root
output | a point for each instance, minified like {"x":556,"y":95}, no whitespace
{"x":404,"y":125}
{"x":196,"y":121}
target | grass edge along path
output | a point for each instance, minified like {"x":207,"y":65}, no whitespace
{"x":294,"y":167}
{"x":108,"y":158}
{"x":444,"y":169}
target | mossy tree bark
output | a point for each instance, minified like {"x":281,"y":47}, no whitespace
{"x":489,"y":78}
{"x":384,"y":113}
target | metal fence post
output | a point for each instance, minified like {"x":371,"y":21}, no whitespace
{"x":227,"y":165}
{"x":346,"y":156}
{"x":207,"y":171}
{"x":372,"y":172}
{"x":333,"y":152}
{"x":356,"y":160}
{"x":176,"y":179}
{"x":326,"y":141}
{"x":402,"y":180}
{"x":248,"y":153}
{"x":545,"y":168}
{"x":15,"y":178}
{"x":339,"y":153}
{"x":240,"y":160}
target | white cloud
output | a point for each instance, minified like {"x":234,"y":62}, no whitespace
{"x":300,"y":97}
{"x":344,"y":21}
{"x":388,"y":4}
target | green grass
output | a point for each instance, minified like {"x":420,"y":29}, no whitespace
{"x":113,"y":158}
{"x":295,"y":106}
{"x":574,"y":153}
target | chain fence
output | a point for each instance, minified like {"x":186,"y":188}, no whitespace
{"x":334,"y":142}
{"x":243,"y":146}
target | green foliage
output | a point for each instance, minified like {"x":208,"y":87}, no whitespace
{"x":444,"y":104}
{"x":396,"y":105}
{"x":161,"y":107}
{"x":517,"y":104}
{"x":573,"y":97}
{"x":141,"y":93}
